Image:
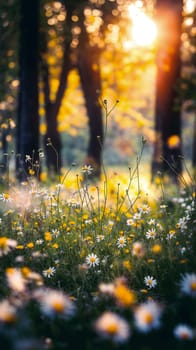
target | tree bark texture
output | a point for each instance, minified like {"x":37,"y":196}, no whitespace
{"x":28,"y":120}
{"x":89,"y":71}
{"x":167,"y":148}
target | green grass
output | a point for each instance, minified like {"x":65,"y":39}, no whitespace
{"x":52,"y":230}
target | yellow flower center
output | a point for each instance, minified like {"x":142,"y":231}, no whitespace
{"x":3,"y":243}
{"x":193,"y":286}
{"x":10,"y":317}
{"x":6,"y":196}
{"x":58,"y":306}
{"x":148,"y":318}
{"x":184,"y":335}
{"x":92,"y":259}
{"x":112,"y":328}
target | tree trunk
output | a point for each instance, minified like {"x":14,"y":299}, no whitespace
{"x":89,"y":71}
{"x":53,"y":150}
{"x":28,"y":120}
{"x":167,"y":148}
{"x":52,"y":138}
{"x":194,"y":148}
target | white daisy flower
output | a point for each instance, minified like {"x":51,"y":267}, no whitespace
{"x":39,"y":241}
{"x":55,"y":233}
{"x":107,"y":288}
{"x":121,"y":242}
{"x":138,"y":249}
{"x":27,"y":158}
{"x":182,"y":224}
{"x":5,"y":197}
{"x":88,"y":222}
{"x":54,"y":302}
{"x":147,"y":316}
{"x":183,"y":332}
{"x":7,"y":312}
{"x":100,"y":238}
{"x":150,"y":282}
{"x":87,"y":169}
{"x":151,"y":234}
{"x":145,"y":209}
{"x":41,"y":154}
{"x":111,"y":326}
{"x":92,"y":260}
{"x":49,"y":272}
{"x":130,"y":222}
{"x":15,"y":279}
{"x":188,"y":284}
{"x":6,"y":244}
{"x":159,"y":226}
{"x":137,"y":216}
{"x":152,"y":222}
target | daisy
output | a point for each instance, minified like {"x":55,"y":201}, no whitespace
{"x":7,"y":312}
{"x":39,"y":241}
{"x":92,"y":260}
{"x":55,"y":233}
{"x":111,"y":326}
{"x":151,"y":234}
{"x":88,"y":221}
{"x":15,"y":279}
{"x":5,"y":197}
{"x":151,"y":222}
{"x":41,"y":154}
{"x":49,"y":272}
{"x":159,"y":226}
{"x":150,"y":282}
{"x":182,"y":224}
{"x":87,"y":169}
{"x":6,"y":245}
{"x":137,"y":216}
{"x":171,"y":234}
{"x":188,"y":284}
{"x":107,"y":288}
{"x":121,"y":242}
{"x":130,"y":222}
{"x":27,"y":158}
{"x":54,"y":302}
{"x":147,"y":316}
{"x":183,"y":332}
{"x":145,"y":209}
{"x":100,"y":238}
{"x":138,"y":249}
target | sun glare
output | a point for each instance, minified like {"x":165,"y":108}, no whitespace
{"x":189,"y":6}
{"x":144,"y":30}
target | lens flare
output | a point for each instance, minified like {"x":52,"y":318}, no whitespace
{"x":144,"y":30}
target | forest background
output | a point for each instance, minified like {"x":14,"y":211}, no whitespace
{"x":66,"y":64}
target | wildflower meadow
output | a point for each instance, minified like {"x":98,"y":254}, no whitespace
{"x":106,"y":264}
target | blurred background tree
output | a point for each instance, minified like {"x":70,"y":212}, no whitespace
{"x":28,"y":105}
{"x":168,"y":144}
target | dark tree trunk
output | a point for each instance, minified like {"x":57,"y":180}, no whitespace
{"x":89,"y":71}
{"x":28,"y":120}
{"x":167,"y":148}
{"x":53,"y":150}
{"x":52,"y":138}
{"x":194,"y":148}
